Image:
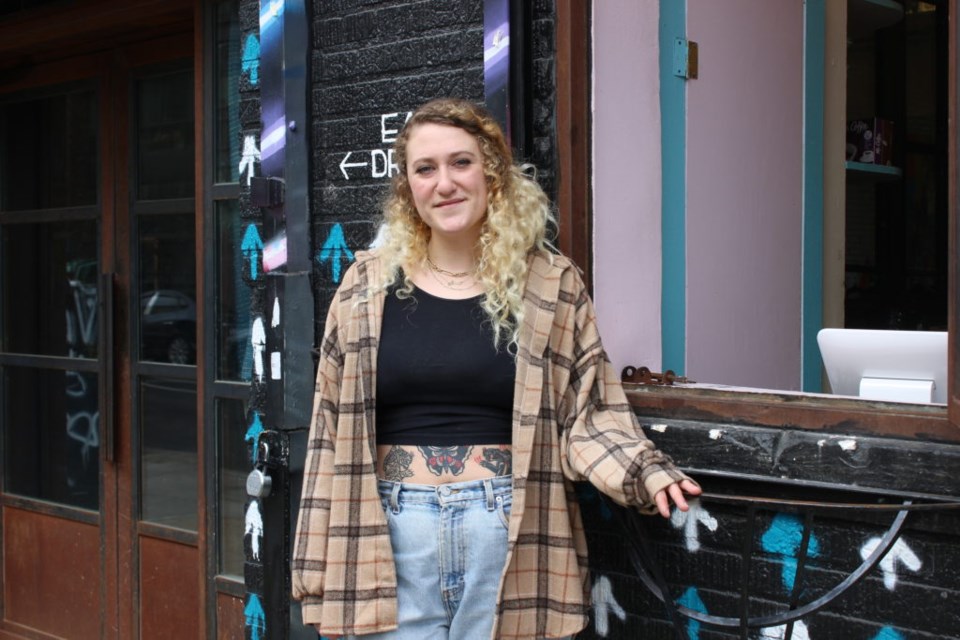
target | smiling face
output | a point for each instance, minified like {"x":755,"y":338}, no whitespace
{"x":445,"y":173}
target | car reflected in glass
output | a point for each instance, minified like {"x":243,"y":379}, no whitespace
{"x":168,"y":327}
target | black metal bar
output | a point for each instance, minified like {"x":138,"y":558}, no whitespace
{"x":105,"y":384}
{"x":745,"y":571}
{"x":799,"y":573}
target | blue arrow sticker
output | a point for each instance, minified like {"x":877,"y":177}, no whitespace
{"x":783,"y":538}
{"x":888,"y":634}
{"x":251,"y":59}
{"x":256,"y":619}
{"x":253,"y":434}
{"x":691,"y":600}
{"x":251,"y":246}
{"x":335,"y":250}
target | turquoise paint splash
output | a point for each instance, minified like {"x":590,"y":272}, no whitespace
{"x":255,"y":618}
{"x":888,"y":634}
{"x":691,"y":600}
{"x":783,"y":538}
{"x":250,"y":62}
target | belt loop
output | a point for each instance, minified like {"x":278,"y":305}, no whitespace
{"x":488,"y":490}
{"x":395,"y":498}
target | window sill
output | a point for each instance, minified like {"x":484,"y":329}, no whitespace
{"x":792,"y":410}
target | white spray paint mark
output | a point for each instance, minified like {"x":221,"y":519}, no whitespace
{"x":250,"y":157}
{"x":900,"y":552}
{"x":603,"y":604}
{"x":659,"y":428}
{"x":258,"y":338}
{"x":848,"y":445}
{"x":716,"y":434}
{"x":820,"y":443}
{"x":275,"y":321}
{"x":254,"y":526}
{"x":275,"y":371}
{"x":688,"y":521}
{"x":779,"y":633}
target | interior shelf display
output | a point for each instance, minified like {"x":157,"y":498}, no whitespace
{"x":866,"y":16}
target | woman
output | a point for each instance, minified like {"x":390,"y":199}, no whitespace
{"x":462,"y":389}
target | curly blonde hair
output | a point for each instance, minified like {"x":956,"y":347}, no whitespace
{"x":517,"y":219}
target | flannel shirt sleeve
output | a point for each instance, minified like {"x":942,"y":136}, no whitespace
{"x":601,"y":438}
{"x":310,"y":543}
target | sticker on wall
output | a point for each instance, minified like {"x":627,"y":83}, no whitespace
{"x":251,"y":59}
{"x":250,"y":158}
{"x":779,"y":633}
{"x":256,"y":620}
{"x":252,"y":246}
{"x":899,"y":554}
{"x":253,"y":435}
{"x":335,"y":251}
{"x":691,"y":600}
{"x":783,"y":538}
{"x":253,"y":526}
{"x":604,"y":603}
{"x":690,"y":520}
{"x":258,"y":340}
{"x":275,"y":317}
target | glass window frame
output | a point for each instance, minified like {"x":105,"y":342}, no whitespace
{"x":216,"y":391}
{"x":754,"y":407}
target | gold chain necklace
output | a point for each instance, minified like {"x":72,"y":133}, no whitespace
{"x":453,"y":284}
{"x":451,"y":274}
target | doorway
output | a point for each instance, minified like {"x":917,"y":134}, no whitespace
{"x":98,"y":365}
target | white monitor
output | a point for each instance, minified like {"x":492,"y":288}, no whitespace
{"x":898,"y":366}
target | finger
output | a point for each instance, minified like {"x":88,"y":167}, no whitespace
{"x":663,"y":505}
{"x":677,"y":494}
{"x":691,"y":487}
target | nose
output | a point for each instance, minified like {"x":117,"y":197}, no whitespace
{"x":445,"y":184}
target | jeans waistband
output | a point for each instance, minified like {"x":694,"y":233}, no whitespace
{"x":488,"y":490}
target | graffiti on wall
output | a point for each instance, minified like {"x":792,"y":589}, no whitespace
{"x":379,"y":163}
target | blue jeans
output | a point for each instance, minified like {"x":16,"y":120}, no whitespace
{"x":449,"y":545}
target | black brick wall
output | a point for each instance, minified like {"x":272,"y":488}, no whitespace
{"x":370,"y":59}
{"x":812,"y":466}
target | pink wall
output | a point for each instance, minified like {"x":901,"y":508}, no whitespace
{"x":744,"y":188}
{"x":626,"y":186}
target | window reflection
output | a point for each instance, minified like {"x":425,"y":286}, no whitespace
{"x":168,"y":311}
{"x":48,"y":155}
{"x":227,"y":65}
{"x":169,"y":453}
{"x":235,"y":354}
{"x":58,"y":457}
{"x":233,"y":465}
{"x":165,"y":136}
{"x":50,"y":289}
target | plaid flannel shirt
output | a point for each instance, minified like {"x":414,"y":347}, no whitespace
{"x":571,"y":422}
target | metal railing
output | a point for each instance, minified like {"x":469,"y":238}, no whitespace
{"x":644,"y":561}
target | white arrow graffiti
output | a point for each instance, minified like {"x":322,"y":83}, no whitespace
{"x":250,"y":158}
{"x":689,"y":519}
{"x":779,"y":633}
{"x":344,"y":165}
{"x":899,"y":553}
{"x":254,"y":526}
{"x":258,"y":339}
{"x":603,"y":604}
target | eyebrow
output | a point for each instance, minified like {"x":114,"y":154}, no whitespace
{"x":455,"y":154}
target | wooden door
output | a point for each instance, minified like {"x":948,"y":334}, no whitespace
{"x":98,"y":354}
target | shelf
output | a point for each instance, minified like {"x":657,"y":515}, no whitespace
{"x":864,"y":17}
{"x":873,"y":171}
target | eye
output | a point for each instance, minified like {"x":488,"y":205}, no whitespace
{"x":423,"y":170}
{"x":463,"y":162}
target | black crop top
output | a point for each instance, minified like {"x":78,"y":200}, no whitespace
{"x":440,"y":381}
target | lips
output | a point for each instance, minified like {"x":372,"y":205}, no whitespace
{"x":447,"y":203}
